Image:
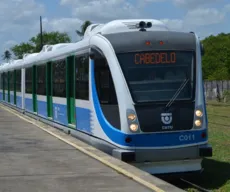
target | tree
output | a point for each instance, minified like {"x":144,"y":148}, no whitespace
{"x":7,"y":56}
{"x":34,"y":44}
{"x":21,"y":49}
{"x":216,"y":61}
{"x":49,"y":39}
{"x":83,"y":28}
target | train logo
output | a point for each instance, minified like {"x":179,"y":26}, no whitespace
{"x":166,"y":118}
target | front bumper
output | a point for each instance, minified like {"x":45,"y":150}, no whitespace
{"x":205,"y":151}
{"x":158,"y":155}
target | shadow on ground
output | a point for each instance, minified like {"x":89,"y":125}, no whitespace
{"x":215,"y":175}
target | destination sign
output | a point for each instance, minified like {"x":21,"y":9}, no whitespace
{"x":155,"y":58}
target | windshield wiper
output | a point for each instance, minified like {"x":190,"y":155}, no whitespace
{"x":176,"y":94}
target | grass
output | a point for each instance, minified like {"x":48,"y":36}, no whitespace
{"x":216,"y":175}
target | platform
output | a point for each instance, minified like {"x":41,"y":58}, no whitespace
{"x":31,"y":159}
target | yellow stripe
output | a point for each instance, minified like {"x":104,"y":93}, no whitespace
{"x":115,"y":167}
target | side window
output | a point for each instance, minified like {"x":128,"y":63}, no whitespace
{"x":59,"y":78}
{"x":18,"y":80}
{"x":11,"y":80}
{"x":6,"y":81}
{"x":104,"y":82}
{"x":1,"y":84}
{"x":41,"y":80}
{"x":82,"y":76}
{"x":29,"y":73}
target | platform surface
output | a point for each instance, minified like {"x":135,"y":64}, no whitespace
{"x":33,"y":160}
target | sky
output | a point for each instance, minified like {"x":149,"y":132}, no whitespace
{"x":19,"y":19}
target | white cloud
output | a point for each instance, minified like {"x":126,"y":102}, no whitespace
{"x":16,"y":17}
{"x":227,"y":8}
{"x":20,"y":11}
{"x":20,"y":18}
{"x":174,"y":24}
{"x":195,"y":19}
{"x":202,"y":17}
{"x":102,"y":10}
{"x":191,"y":4}
{"x":68,"y":25}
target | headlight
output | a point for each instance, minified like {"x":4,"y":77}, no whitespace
{"x":198,"y":123}
{"x":199,"y":113}
{"x":131,"y":117}
{"x":133,"y":127}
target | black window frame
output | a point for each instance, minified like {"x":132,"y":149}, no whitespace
{"x":18,"y":80}
{"x":29,"y":80}
{"x":59,"y":78}
{"x":82,"y":76}
{"x":41,"y":80}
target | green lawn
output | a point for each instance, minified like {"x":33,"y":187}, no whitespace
{"x":216,"y":176}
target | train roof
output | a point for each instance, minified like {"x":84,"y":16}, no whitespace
{"x":61,"y":50}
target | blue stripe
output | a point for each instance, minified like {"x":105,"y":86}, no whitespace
{"x":42,"y":108}
{"x":83,"y":120}
{"x":19,"y":102}
{"x":29,"y":104}
{"x":141,"y":140}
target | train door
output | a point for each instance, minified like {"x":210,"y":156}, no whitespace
{"x":49,"y":90}
{"x":34,"y":89}
{"x":70,"y":83}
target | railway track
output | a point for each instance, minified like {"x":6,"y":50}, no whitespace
{"x":194,"y":186}
{"x":184,"y":184}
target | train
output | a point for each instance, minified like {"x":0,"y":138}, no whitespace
{"x":132,"y":88}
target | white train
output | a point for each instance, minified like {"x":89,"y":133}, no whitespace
{"x":131,"y":88}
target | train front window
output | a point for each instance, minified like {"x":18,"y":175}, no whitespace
{"x":156,"y":76}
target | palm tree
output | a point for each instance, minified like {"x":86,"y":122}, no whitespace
{"x":83,"y":28}
{"x":7,"y":55}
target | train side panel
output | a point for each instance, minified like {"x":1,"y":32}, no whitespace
{"x":1,"y":94}
{"x":60,"y":111}
{"x":19,"y":99}
{"x":84,"y":116}
{"x":42,"y":105}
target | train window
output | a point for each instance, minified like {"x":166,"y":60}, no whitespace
{"x":11,"y":81}
{"x":1,"y":84}
{"x":6,"y":81}
{"x":59,"y":78}
{"x":82,"y":77}
{"x":106,"y":92}
{"x":18,"y":80}
{"x":41,"y":79}
{"x":29,"y":73}
{"x":156,"y":76}
{"x":104,"y":82}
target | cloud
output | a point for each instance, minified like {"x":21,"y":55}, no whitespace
{"x":16,"y":17}
{"x":18,"y":12}
{"x":102,"y":10}
{"x":227,"y":8}
{"x":196,"y":18}
{"x":192,"y":4}
{"x":203,"y":17}
{"x":20,"y":18}
{"x":173,"y":24}
{"x":68,"y":25}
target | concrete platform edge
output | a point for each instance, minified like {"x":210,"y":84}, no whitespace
{"x":121,"y":167}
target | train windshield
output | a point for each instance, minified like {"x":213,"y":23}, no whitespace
{"x":157,"y":76}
